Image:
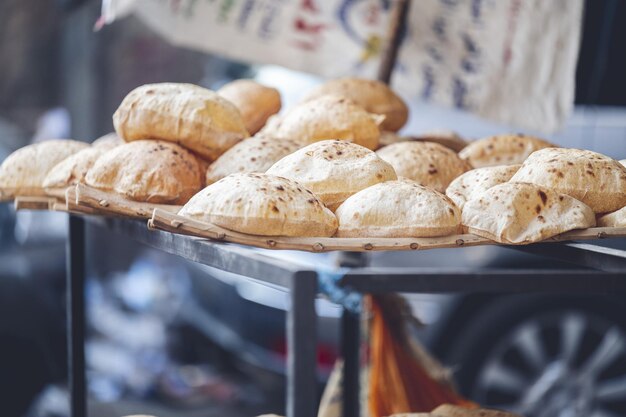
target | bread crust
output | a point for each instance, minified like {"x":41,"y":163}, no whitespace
{"x":256,"y":102}
{"x":502,"y":150}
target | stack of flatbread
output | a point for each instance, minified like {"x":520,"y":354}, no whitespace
{"x":333,"y":165}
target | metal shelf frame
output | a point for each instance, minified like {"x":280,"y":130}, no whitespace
{"x":603,"y":270}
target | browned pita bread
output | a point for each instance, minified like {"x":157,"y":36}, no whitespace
{"x":477,"y":180}
{"x":374,"y":96}
{"x":594,"y":179}
{"x":400,"y":208}
{"x":430,"y":164}
{"x":448,"y":410}
{"x":148,"y":171}
{"x":195,"y":117}
{"x":256,"y":102}
{"x":261,"y":204}
{"x":501,"y":150}
{"x":516,"y":213}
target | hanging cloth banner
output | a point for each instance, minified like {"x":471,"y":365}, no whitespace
{"x":511,"y":61}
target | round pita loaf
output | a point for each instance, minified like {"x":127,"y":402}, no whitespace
{"x":262,"y":204}
{"x":449,"y":410}
{"x":256,"y":154}
{"x":516,"y":213}
{"x":594,"y":179}
{"x":255,"y":101}
{"x":502,"y":150}
{"x":149,"y":171}
{"x":447,"y":138}
{"x":623,"y":162}
{"x":108,"y":141}
{"x":23,"y":172}
{"x":329,"y":117}
{"x":430,"y":164}
{"x":195,"y":117}
{"x":400,"y":208}
{"x":73,"y":169}
{"x":615,"y":219}
{"x":476,"y":181}
{"x":374,"y":96}
{"x":334,"y":170}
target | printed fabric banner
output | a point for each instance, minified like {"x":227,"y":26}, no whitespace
{"x":511,"y":61}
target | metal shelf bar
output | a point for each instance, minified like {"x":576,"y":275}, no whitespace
{"x":75,"y":310}
{"x":581,"y":254}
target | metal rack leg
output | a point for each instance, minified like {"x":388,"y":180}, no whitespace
{"x":302,"y":347}
{"x":75,"y":281}
{"x":350,"y":339}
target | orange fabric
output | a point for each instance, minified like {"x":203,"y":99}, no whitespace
{"x":398,"y":383}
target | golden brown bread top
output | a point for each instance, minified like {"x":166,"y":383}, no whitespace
{"x":593,"y":178}
{"x":474,"y":182}
{"x":430,"y":164}
{"x":400,"y":208}
{"x":519,"y":213}
{"x":329,"y":117}
{"x":374,"y":96}
{"x":148,"y":171}
{"x":24,"y":170}
{"x":502,"y":150}
{"x":262,"y":204}
{"x":334,"y":169}
{"x":195,"y":117}
{"x":255,"y":101}
{"x":256,"y":154}
{"x":73,"y":169}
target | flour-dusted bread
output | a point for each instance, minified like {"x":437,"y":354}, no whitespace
{"x":374,"y":96}
{"x":334,"y":170}
{"x":256,"y":154}
{"x":23,"y":172}
{"x":262,"y":204}
{"x":427,"y":163}
{"x":329,"y":117}
{"x":194,"y":117}
{"x":502,"y":150}
{"x":476,"y":181}
{"x":150,"y":171}
{"x":623,"y":162}
{"x":448,"y":410}
{"x":108,"y":141}
{"x":594,"y":179}
{"x":615,"y":219}
{"x":73,"y":169}
{"x":517,"y":213}
{"x":399,"y":208}
{"x":256,"y":102}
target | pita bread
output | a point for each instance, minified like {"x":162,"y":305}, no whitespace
{"x":430,"y":164}
{"x":447,"y":138}
{"x":329,"y":117}
{"x":255,"y":102}
{"x":150,"y":171}
{"x":615,"y":219}
{"x":400,"y":208}
{"x":23,"y":172}
{"x":623,"y":162}
{"x":256,"y":154}
{"x":476,"y":181}
{"x":448,"y":410}
{"x":196,"y":118}
{"x":594,"y":179}
{"x":73,"y":169}
{"x":262,"y":204}
{"x":334,"y":170}
{"x":108,"y":141}
{"x":502,"y":150}
{"x":374,"y":96}
{"x":515,"y":213}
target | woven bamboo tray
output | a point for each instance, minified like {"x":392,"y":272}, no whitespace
{"x":171,"y":222}
{"x":105,"y":203}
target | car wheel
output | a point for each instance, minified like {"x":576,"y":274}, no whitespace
{"x":545,"y":356}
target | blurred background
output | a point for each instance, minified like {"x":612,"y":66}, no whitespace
{"x":174,"y":338}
